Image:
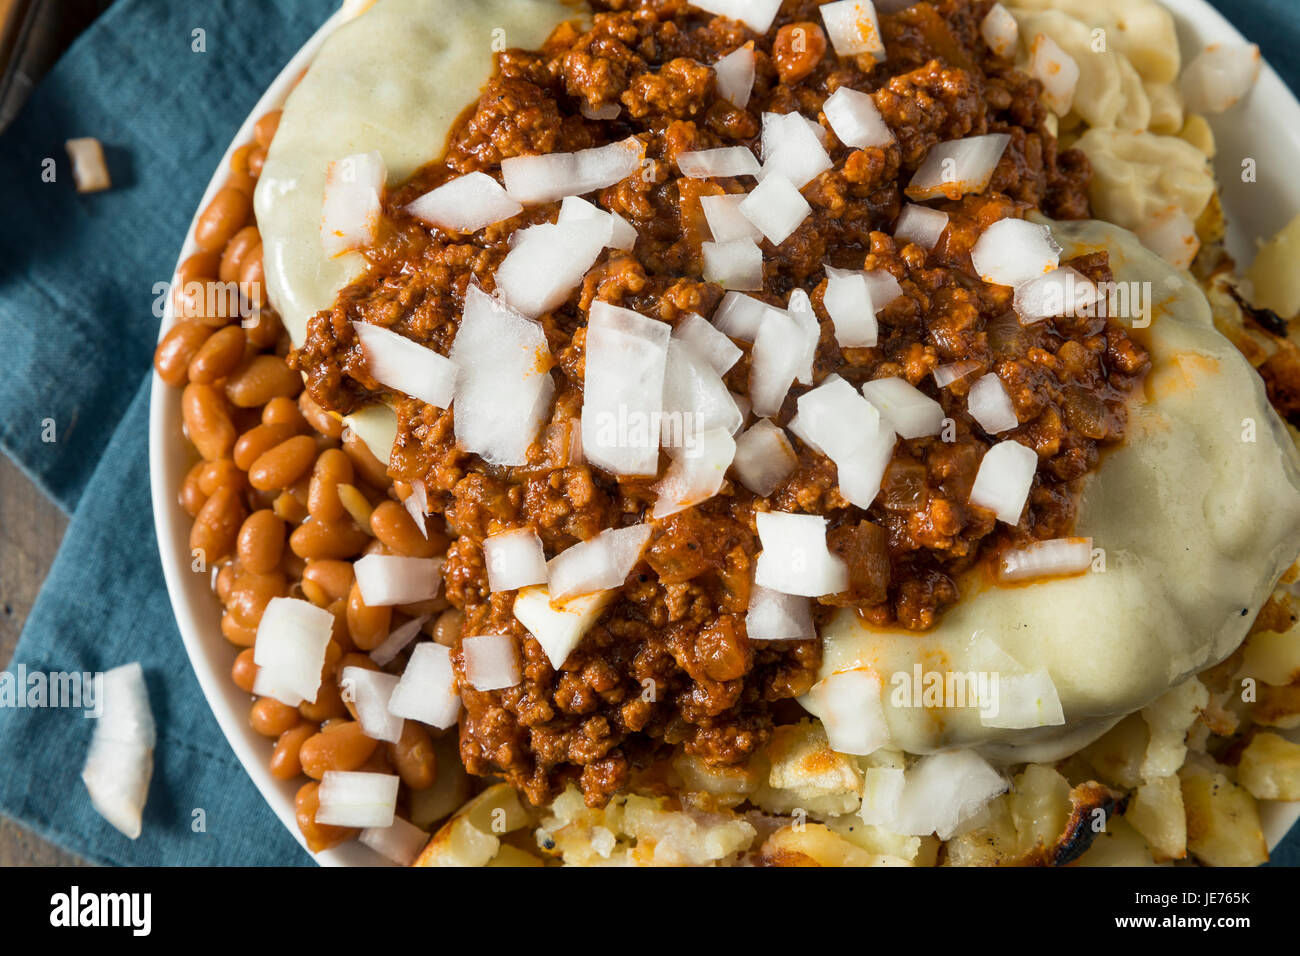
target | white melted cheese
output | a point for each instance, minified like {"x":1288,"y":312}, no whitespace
{"x":1197,"y":524}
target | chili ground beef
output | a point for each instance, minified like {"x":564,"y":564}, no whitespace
{"x":669,"y":664}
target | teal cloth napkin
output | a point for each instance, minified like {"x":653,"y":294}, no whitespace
{"x":77,"y":293}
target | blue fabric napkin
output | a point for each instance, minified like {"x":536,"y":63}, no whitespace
{"x":77,"y":313}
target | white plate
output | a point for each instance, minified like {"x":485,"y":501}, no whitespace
{"x":1268,"y":123}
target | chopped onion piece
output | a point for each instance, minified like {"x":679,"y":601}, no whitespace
{"x":989,"y":404}
{"x":856,"y":120}
{"x":1004,"y":478}
{"x":943,"y":791}
{"x":1061,"y":292}
{"x":623,"y":389}
{"x":1000,"y":31}
{"x":1013,"y":251}
{"x":773,"y":616}
{"x":610,"y":111}
{"x":921,"y":225}
{"x":491,"y":661}
{"x":907,"y":409}
{"x":547,"y":262}
{"x":795,"y":559}
{"x":853,"y":27}
{"x":740,"y":316}
{"x":714,"y":163}
{"x":792,"y":150}
{"x":695,"y":399}
{"x":775,"y":361}
{"x":735,"y":75}
{"x":465,"y":204}
{"x":848,"y":302}
{"x":354,"y":188}
{"x":882,"y":792}
{"x":537,"y":179}
{"x":764,"y":457}
{"x":503,"y":386}
{"x":1171,"y":234}
{"x":696,"y":473}
{"x":775,"y":208}
{"x":119,"y":763}
{"x":734,"y":265}
{"x":699,"y":333}
{"x":755,"y":14}
{"x":851,"y":708}
{"x":1056,"y":70}
{"x":1051,"y":558}
{"x":800,"y":309}
{"x":355,"y":799}
{"x":958,"y":167}
{"x":427,"y":689}
{"x":1022,"y":701}
{"x":621,"y":233}
{"x":1219,"y":76}
{"x":597,"y":564}
{"x":726,"y":221}
{"x":405,"y":366}
{"x":417,"y":506}
{"x":945,"y":375}
{"x":89,"y":172}
{"x":397,"y":641}
{"x":387,"y":579}
{"x":514,"y":559}
{"x":884,"y":288}
{"x":289,"y":650}
{"x":369,"y":691}
{"x":838,"y":422}
{"x":559,"y":626}
{"x":401,"y":842}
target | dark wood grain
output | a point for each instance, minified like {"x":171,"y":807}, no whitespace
{"x":30,"y":531}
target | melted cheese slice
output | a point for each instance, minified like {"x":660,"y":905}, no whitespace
{"x":1197,"y":523}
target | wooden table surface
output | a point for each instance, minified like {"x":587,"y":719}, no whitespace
{"x":30,"y":531}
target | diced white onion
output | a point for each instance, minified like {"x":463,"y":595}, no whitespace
{"x":1022,"y":701}
{"x":1219,"y":76}
{"x":882,"y":792}
{"x":547,"y":262}
{"x":89,"y":169}
{"x":427,"y":689}
{"x":755,"y":14}
{"x":417,"y":506}
{"x":853,"y":27}
{"x":903,"y":406}
{"x":699,"y":333}
{"x":958,"y":167}
{"x":735,"y":75}
{"x":1171,"y":234}
{"x":1062,"y":291}
{"x":773,"y":616}
{"x":597,"y":564}
{"x":610,"y":111}
{"x":856,"y":120}
{"x":726,"y":221}
{"x":945,"y":375}
{"x":695,"y":398}
{"x":775,"y":208}
{"x":884,"y":288}
{"x":615,"y":231}
{"x":734,"y":265}
{"x":503,"y":386}
{"x":792,"y":150}
{"x":795,"y":559}
{"x":623,"y":389}
{"x":289,"y":650}
{"x":713,"y":163}
{"x":1003,"y":480}
{"x":397,"y":641}
{"x":387,"y":579}
{"x":764,"y":457}
{"x":775,"y":361}
{"x":1050,"y":558}
{"x":838,"y":422}
{"x":740,"y":316}
{"x":1056,"y":70}
{"x":800,"y":309}
{"x":848,"y":302}
{"x":406,"y":366}
{"x":355,"y":799}
{"x":696,"y":473}
{"x":943,"y":791}
{"x":537,"y":179}
{"x":369,"y":691}
{"x":491,"y":661}
{"x":921,"y":225}
{"x":1013,"y":251}
{"x":514,"y":559}
{"x":990,"y":405}
{"x":354,"y":189}
{"x":401,"y":842}
{"x":559,"y":626}
{"x":119,"y":763}
{"x":851,"y":708}
{"x":1000,"y":31}
{"x":465,"y":204}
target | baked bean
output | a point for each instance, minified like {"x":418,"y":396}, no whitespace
{"x":318,"y":836}
{"x":264,"y":329}
{"x":367,"y":625}
{"x":447,"y":630}
{"x":252,"y":277}
{"x":413,"y":757}
{"x":260,"y":379}
{"x":284,"y":464}
{"x":218,"y":356}
{"x":189,"y":285}
{"x":256,"y":160}
{"x":367,"y":465}
{"x":332,"y":469}
{"x":239,"y":160}
{"x":251,"y":594}
{"x":261,"y":542}
{"x":191,"y":496}
{"x":244,"y":672}
{"x":225,"y":582}
{"x":797,"y":50}
{"x":290,"y":509}
{"x":318,"y":418}
{"x":236,"y":251}
{"x":284,"y":411}
{"x":340,"y":634}
{"x":207,"y":421}
{"x":423,"y":608}
{"x":223,"y":217}
{"x":270,"y":718}
{"x":285,"y":764}
{"x":177,"y":350}
{"x":216,"y":528}
{"x":223,"y":473}
{"x":327,"y":540}
{"x":339,"y":746}
{"x":396,"y":528}
{"x":264,"y":129}
{"x":236,"y":633}
{"x":257,"y":441}
{"x":333,"y":579}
